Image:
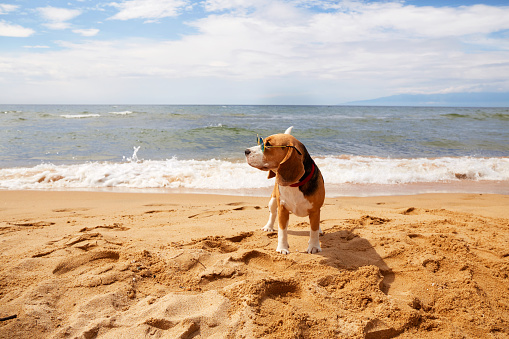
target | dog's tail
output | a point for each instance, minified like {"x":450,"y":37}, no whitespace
{"x":289,"y":130}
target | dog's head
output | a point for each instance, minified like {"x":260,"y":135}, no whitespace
{"x":280,"y":154}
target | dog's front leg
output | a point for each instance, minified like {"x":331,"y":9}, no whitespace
{"x":282,"y":233}
{"x":314,"y":233}
{"x":269,"y":227}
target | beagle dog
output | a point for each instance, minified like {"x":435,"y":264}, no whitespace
{"x":299,"y":186}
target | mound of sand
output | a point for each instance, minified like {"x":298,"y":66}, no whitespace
{"x":98,"y":265}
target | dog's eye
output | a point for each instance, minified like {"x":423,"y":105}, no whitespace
{"x":267,"y":144}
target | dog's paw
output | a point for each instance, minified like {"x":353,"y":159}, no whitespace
{"x":268,"y":228}
{"x":283,"y":250}
{"x":314,"y":249}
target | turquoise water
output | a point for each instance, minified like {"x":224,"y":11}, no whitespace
{"x":187,"y":145}
{"x":73,"y":134}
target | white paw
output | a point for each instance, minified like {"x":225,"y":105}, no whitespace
{"x":314,"y":249}
{"x":268,"y":228}
{"x":283,"y":249}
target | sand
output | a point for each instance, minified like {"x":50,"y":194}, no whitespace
{"x":119,"y":265}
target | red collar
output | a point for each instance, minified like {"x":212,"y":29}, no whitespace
{"x":306,"y":179}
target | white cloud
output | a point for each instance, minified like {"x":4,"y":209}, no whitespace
{"x":57,"y":17}
{"x":12,"y":30}
{"x":357,"y":51}
{"x":148,"y":9}
{"x":86,"y":32}
{"x":60,"y":25}
{"x":221,"y":5}
{"x":6,"y":8}
{"x":36,"y":46}
{"x":58,"y":14}
{"x":15,"y":31}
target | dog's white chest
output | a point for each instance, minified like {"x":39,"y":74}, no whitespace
{"x":294,"y":201}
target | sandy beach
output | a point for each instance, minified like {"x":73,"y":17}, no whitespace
{"x":121,"y":265}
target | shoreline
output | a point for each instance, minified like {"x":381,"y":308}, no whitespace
{"x":332,"y":190}
{"x":75,"y":263}
{"x":356,"y":176}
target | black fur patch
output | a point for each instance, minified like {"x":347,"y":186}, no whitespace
{"x":312,"y":185}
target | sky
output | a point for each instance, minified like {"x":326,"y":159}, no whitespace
{"x":248,"y":51}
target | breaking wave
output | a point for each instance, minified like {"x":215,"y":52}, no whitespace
{"x":221,"y":175}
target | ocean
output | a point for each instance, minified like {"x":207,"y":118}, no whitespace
{"x":361,"y":151}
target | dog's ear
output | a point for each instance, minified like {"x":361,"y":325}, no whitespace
{"x":271,"y":174}
{"x":291,"y":169}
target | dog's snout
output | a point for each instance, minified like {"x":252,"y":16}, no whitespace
{"x":247,"y":152}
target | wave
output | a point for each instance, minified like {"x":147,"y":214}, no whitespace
{"x":479,"y":115}
{"x":171,"y":173}
{"x":122,"y":113}
{"x":386,"y":171}
{"x":230,"y":176}
{"x":79,"y":116}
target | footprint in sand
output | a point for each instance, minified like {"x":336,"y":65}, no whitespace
{"x":255,"y":259}
{"x":222,"y":244}
{"x":207,"y":214}
{"x":366,"y":220}
{"x":115,"y":227}
{"x":74,"y":210}
{"x":278,"y":289}
{"x":84,"y":242}
{"x":72,"y":263}
{"x":33,"y":224}
{"x":235,"y":204}
{"x":159,"y":205}
{"x":412,"y":211}
{"x":243,"y":206}
{"x":159,"y":211}
{"x":210,"y":213}
{"x":17,"y":226}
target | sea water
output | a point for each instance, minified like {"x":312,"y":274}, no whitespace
{"x":200,"y":149}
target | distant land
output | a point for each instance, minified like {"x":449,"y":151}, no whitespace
{"x":451,"y":99}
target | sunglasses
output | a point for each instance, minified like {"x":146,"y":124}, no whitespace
{"x":262,"y":145}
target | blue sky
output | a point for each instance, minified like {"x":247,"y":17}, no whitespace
{"x":249,"y":51}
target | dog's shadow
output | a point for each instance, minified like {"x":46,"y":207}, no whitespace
{"x":344,"y":249}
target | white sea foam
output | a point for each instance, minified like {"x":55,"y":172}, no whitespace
{"x":372,"y":170}
{"x":79,"y":116}
{"x":172,"y":173}
{"x":121,"y":113}
{"x":229,"y":176}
